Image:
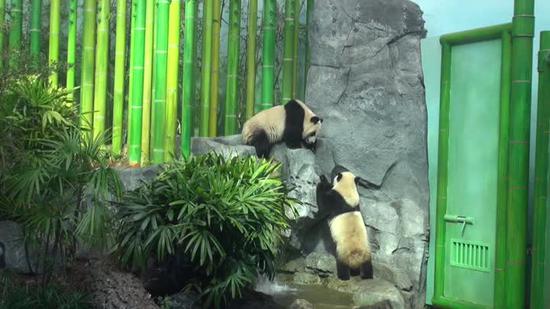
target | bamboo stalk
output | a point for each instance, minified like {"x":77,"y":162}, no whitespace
{"x":172,"y":80}
{"x":502,"y":188}
{"x":268,"y":54}
{"x":101,"y":69}
{"x":309,"y":11}
{"x":297,"y":10}
{"x":135,"y":110}
{"x":206,"y":67}
{"x":2,"y":25}
{"x":233,"y":47}
{"x":36,"y":20}
{"x":53,"y":54}
{"x":147,"y":82}
{"x":16,"y":29}
{"x":520,"y":102}
{"x":251,"y":58}
{"x":87,"y":70}
{"x":130,"y":74}
{"x":215,"y":77}
{"x":118,"y":98}
{"x":71,"y":47}
{"x":189,"y":51}
{"x":159,"y":94}
{"x":538,"y":282}
{"x":288,"y":53}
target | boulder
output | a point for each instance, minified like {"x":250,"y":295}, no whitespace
{"x":13,"y":254}
{"x":301,"y":304}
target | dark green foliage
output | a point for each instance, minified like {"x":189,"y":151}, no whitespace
{"x":225,"y":215}
{"x":52,"y":180}
{"x":17,"y":295}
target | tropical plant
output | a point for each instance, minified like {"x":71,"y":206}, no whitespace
{"x":19,"y":295}
{"x":225,"y":215}
{"x":53,"y":181}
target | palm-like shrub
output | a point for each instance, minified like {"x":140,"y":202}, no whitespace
{"x":52,"y":180}
{"x":225,"y":215}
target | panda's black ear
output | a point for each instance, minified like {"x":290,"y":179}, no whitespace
{"x":356,"y":180}
{"x":339,"y":177}
{"x":316,"y":119}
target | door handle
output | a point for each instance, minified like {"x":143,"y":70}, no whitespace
{"x":459,"y":219}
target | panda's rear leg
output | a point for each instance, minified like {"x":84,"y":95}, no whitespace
{"x":366,"y":270}
{"x":342,"y":271}
{"x":355,"y":272}
{"x":262,"y":144}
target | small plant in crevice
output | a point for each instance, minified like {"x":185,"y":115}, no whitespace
{"x":225,"y":215}
{"x":53,"y":180}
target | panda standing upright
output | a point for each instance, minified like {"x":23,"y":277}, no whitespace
{"x":347,"y":229}
{"x":293,"y":123}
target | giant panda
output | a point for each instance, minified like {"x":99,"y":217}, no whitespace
{"x":293,"y":123}
{"x":347,"y":229}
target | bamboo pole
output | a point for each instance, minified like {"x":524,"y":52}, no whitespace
{"x":130,"y":74}
{"x":233,"y":47}
{"x":215,"y":77}
{"x":309,"y":11}
{"x":158,"y":111}
{"x":268,"y":54}
{"x":502,"y":188}
{"x":522,"y":50}
{"x":53,"y":54}
{"x":288,"y":53}
{"x":297,"y":10}
{"x":172,"y":80}
{"x":101,"y":68}
{"x":2,"y":25}
{"x":36,"y":25}
{"x":538,"y":282}
{"x":135,"y":110}
{"x":87,"y":70}
{"x":118,"y":98}
{"x":16,"y":29}
{"x":71,"y":47}
{"x":251,"y":58}
{"x":189,"y":51}
{"x":206,"y":68}
{"x":147,"y":83}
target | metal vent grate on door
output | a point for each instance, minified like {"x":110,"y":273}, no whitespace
{"x":471,"y":255}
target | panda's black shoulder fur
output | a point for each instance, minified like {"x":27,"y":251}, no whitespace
{"x":294,"y":124}
{"x":330,"y":202}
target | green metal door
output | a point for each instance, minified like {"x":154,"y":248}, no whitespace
{"x":473,"y":155}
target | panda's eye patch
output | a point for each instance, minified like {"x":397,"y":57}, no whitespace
{"x":339,"y":177}
{"x":316,"y":119}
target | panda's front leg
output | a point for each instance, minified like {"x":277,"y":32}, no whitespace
{"x":342,"y":270}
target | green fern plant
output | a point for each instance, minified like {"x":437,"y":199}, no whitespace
{"x":52,"y":180}
{"x":226,"y":215}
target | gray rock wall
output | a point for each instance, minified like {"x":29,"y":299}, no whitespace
{"x":366,"y":81}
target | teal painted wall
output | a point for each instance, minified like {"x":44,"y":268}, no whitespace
{"x":447,"y":16}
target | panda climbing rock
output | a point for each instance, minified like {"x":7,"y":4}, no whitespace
{"x":347,"y":229}
{"x":293,"y":123}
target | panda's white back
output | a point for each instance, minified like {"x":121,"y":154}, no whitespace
{"x":271,"y":120}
